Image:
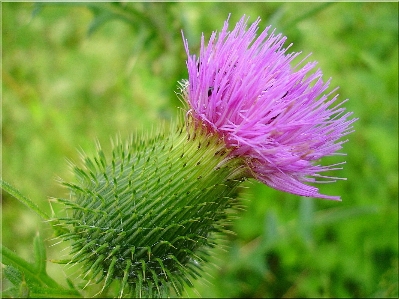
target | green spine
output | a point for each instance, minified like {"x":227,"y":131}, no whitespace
{"x":147,"y":217}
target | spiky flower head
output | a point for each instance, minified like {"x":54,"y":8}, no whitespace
{"x":244,"y":88}
{"x":147,"y":217}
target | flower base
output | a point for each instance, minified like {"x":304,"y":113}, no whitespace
{"x":146,"y":217}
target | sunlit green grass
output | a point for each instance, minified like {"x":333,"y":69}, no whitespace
{"x":63,"y":88}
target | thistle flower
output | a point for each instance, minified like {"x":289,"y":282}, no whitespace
{"x":243,"y":88}
{"x":148,"y":216}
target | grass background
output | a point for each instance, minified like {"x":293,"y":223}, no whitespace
{"x":79,"y":72}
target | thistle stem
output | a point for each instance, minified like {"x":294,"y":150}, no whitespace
{"x":23,"y":199}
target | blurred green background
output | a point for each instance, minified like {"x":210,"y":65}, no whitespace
{"x":79,"y":72}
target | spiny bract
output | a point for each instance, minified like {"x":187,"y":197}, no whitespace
{"x":147,"y":217}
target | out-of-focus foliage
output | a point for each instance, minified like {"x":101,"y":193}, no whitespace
{"x":76,"y":72}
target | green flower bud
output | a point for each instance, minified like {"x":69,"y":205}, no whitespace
{"x":147,"y":217}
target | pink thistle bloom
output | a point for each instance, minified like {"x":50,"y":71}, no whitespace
{"x":274,"y":115}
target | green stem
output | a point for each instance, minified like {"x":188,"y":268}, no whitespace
{"x":53,"y":288}
{"x":26,"y":201}
{"x":307,"y":14}
{"x":10,"y":257}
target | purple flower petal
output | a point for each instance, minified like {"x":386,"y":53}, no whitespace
{"x":275,"y":115}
